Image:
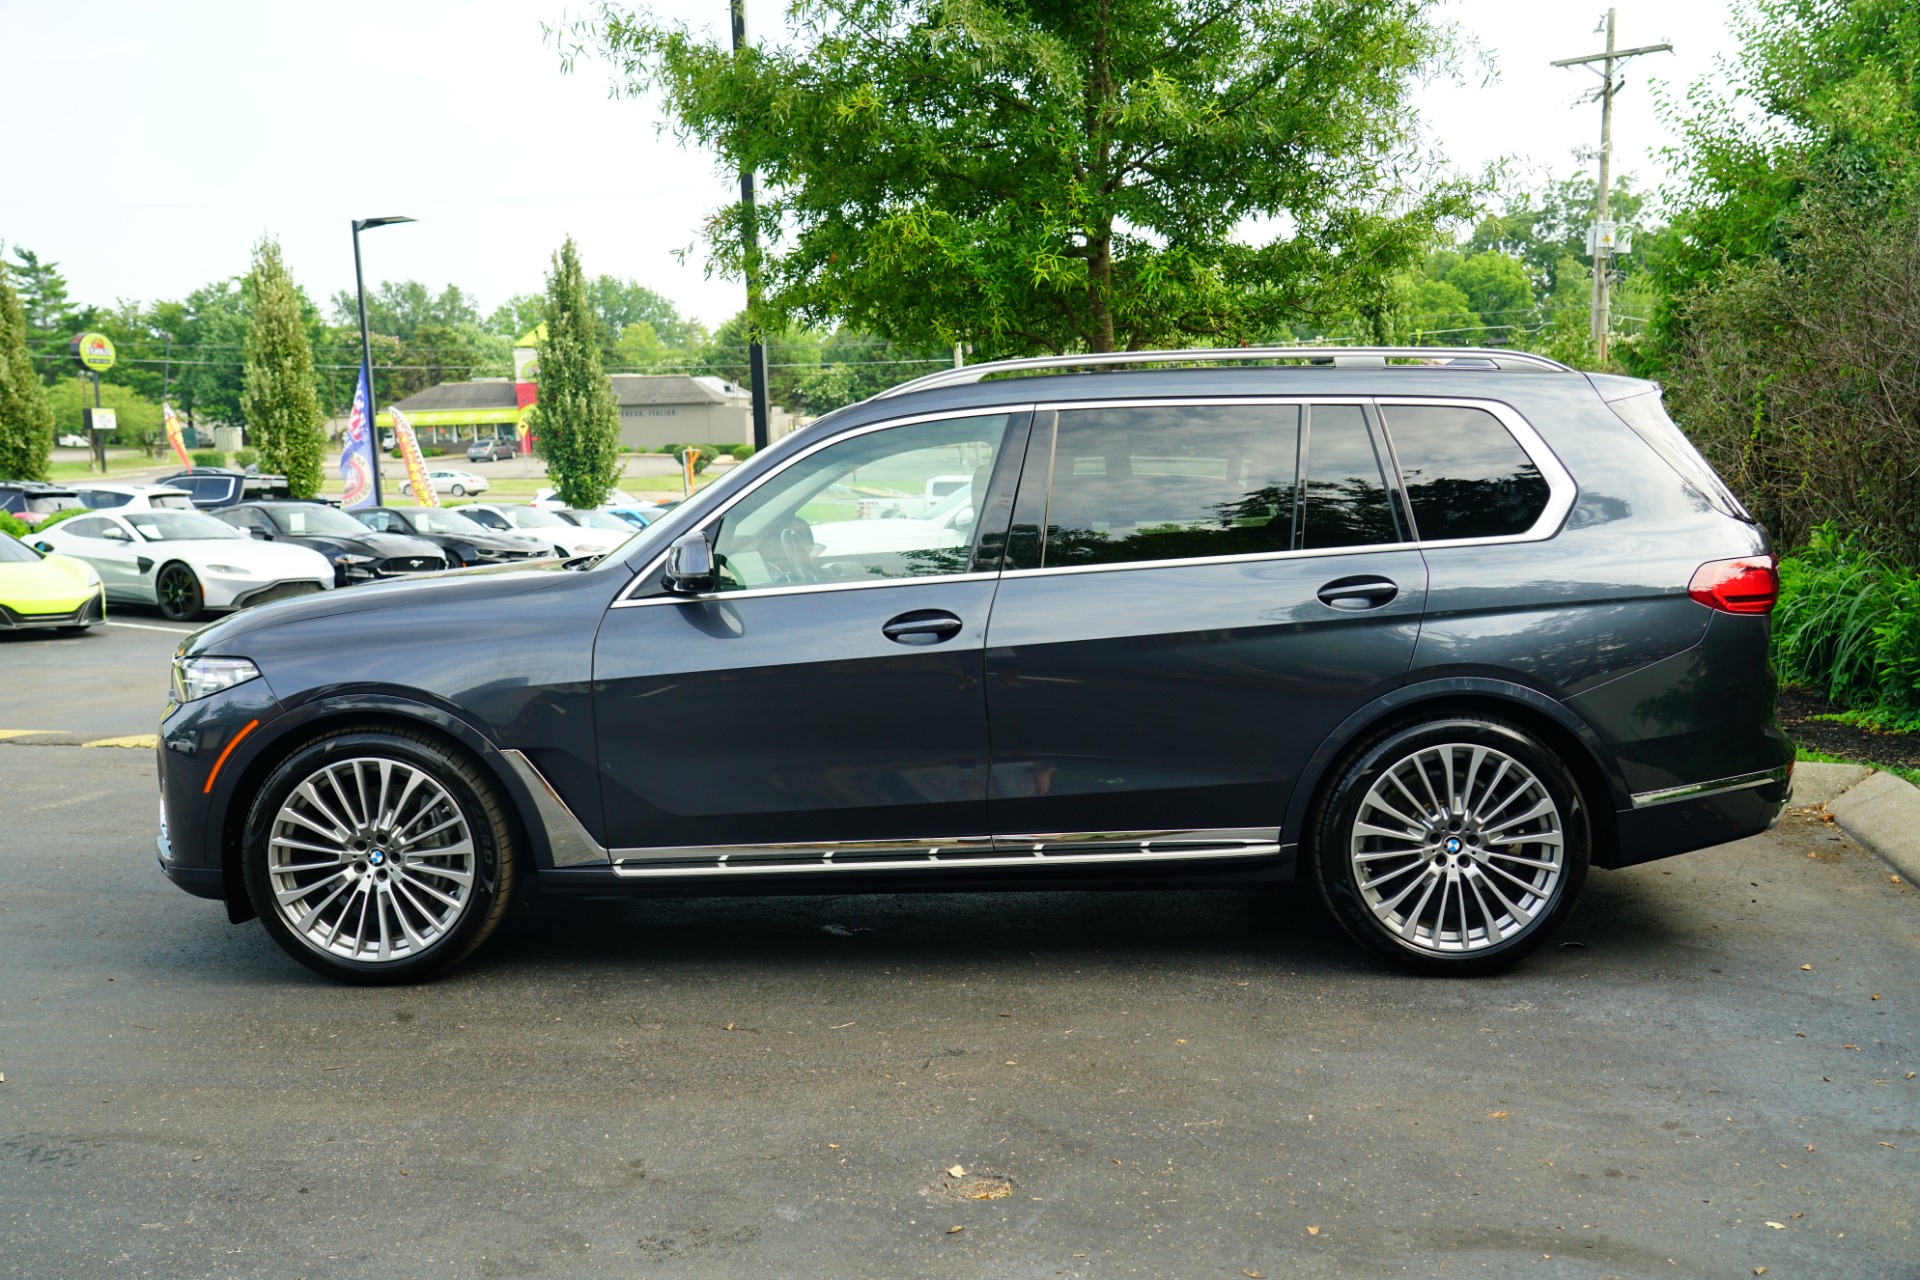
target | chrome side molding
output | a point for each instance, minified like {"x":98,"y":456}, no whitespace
{"x":572,"y":846}
{"x":1699,"y":790}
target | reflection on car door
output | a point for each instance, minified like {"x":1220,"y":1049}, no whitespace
{"x":817,"y":708}
{"x":1196,"y":595}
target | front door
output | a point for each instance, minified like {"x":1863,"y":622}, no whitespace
{"x":825,"y":701}
{"x":1196,"y":595}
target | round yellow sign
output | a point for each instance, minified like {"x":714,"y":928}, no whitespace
{"x":94,"y":351}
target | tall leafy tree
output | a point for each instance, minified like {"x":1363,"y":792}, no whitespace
{"x":278,"y":400}
{"x":42,"y":291}
{"x":1061,"y":174}
{"x":576,"y":418}
{"x":26,"y":423}
{"x":403,"y":307}
{"x":213,"y":333}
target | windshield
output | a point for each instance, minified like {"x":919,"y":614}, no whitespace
{"x":599,"y":520}
{"x":533,"y":518}
{"x":309,"y":521}
{"x":179,"y":526}
{"x":430,"y":520}
{"x":15,"y":552}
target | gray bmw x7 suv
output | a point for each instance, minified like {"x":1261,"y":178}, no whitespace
{"x":1433,"y":631}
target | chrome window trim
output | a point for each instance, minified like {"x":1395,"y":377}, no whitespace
{"x":1719,"y":786}
{"x":803,"y":588}
{"x":623,"y":601}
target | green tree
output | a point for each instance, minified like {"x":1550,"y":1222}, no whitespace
{"x":1496,"y":288}
{"x":137,"y":418}
{"x":26,"y":424}
{"x":213,"y":335}
{"x":43,"y":293}
{"x":278,"y":401}
{"x":1061,"y":174}
{"x":576,"y":418}
{"x":404,"y":307}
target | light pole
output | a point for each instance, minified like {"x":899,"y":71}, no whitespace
{"x":750,"y":230}
{"x":366,"y":350}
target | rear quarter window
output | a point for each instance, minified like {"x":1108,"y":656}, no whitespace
{"x":1649,"y":420}
{"x":1465,"y":474}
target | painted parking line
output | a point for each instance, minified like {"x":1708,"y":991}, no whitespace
{"x":147,"y":741}
{"x":142,"y":626}
{"x":22,"y":733}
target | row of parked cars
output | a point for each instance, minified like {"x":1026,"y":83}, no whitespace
{"x":217,"y":539}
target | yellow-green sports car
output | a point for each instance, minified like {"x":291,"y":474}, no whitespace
{"x":47,"y":591}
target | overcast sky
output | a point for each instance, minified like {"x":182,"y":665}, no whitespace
{"x":152,"y":144}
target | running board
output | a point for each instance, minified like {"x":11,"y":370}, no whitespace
{"x":572,"y":846}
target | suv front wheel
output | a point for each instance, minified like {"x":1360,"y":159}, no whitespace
{"x":1454,"y":846}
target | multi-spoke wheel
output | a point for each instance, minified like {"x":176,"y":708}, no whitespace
{"x":178,"y":592}
{"x":1455,"y":846}
{"x":378,"y":856}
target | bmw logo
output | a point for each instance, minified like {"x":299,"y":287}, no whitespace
{"x":379,"y":857}
{"x":1453,"y":846}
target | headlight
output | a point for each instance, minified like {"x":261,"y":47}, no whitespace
{"x":227,"y":568}
{"x":354,"y":559}
{"x":197,"y":677}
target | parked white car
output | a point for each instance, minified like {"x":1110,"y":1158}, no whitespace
{"x":72,"y":441}
{"x":549,"y":500}
{"x":185,"y":561}
{"x":547,"y":528}
{"x":105,"y":496}
{"x":947,"y":523}
{"x":449,"y":480}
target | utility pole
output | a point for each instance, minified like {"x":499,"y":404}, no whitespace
{"x":1601,"y":240}
{"x":750,"y":234}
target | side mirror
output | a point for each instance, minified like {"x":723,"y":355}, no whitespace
{"x":44,"y":548}
{"x":690,"y":570}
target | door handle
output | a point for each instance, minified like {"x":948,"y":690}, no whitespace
{"x":922,"y":626}
{"x":1364,"y":592}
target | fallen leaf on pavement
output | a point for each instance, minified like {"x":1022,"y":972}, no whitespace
{"x":1253,"y":1275}
{"x":1313,"y":1231}
{"x":1890,"y":1145}
{"x":951,"y":1230}
{"x":958,"y":1171}
{"x":1806,"y":966}
{"x":1778,"y":1226}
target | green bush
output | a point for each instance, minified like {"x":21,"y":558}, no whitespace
{"x":9,"y":525}
{"x":702,"y":460}
{"x":246,"y":458}
{"x":1848,"y":624}
{"x":672,"y":449}
{"x":742,"y":452}
{"x":208,"y":458}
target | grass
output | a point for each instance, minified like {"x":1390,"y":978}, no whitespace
{"x":1821,"y":757}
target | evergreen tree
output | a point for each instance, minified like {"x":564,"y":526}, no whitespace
{"x":576,"y":419}
{"x":26,"y":423}
{"x":278,"y":402}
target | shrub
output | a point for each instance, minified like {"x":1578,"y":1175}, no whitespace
{"x":742,"y":452}
{"x":208,"y":458}
{"x":673,"y":449}
{"x":1848,"y":624}
{"x":10,"y":525}
{"x":246,"y":458}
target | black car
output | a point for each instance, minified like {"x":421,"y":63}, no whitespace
{"x":490,"y":451}
{"x":357,"y":553}
{"x":1435,"y":639}
{"x":463,"y":542}
{"x":216,"y":487}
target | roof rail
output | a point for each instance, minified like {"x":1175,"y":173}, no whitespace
{"x":1364,"y":357}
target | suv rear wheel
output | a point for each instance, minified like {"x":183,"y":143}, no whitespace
{"x":1452,"y":846}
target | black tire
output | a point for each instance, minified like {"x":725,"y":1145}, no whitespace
{"x":492,"y":866}
{"x":178,"y":592}
{"x":1471,"y":845}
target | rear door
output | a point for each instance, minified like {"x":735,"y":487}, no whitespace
{"x":1197,"y":594}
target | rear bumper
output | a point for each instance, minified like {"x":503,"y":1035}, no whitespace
{"x":1682,"y":819}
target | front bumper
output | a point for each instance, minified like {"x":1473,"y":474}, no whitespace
{"x":206,"y":748}
{"x":84,"y":611}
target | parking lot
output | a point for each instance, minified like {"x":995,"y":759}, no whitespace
{"x":1709,"y":1073}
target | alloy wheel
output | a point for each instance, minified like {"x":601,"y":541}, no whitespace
{"x":1457,"y":848}
{"x":178,"y":592}
{"x":371,"y":860}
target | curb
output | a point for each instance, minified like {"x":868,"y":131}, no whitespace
{"x":1877,"y":809}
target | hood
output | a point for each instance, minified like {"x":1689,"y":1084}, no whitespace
{"x":381,"y":546}
{"x":501,"y":584}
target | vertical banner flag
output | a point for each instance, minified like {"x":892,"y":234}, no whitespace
{"x":170,"y":421}
{"x":409,"y":444}
{"x":357,"y":459}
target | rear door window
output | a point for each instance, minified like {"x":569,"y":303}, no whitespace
{"x":1143,"y":484}
{"x":1345,"y":502}
{"x":1465,"y":474}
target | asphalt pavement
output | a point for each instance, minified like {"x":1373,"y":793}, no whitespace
{"x":1710,"y":1071}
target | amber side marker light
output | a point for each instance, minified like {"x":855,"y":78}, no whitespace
{"x":1737,"y":586}
{"x":225,"y":752}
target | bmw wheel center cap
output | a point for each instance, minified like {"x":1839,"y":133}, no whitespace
{"x":1453,"y":846}
{"x":377,"y":858}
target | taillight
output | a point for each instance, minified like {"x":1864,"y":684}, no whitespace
{"x":1737,"y":586}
